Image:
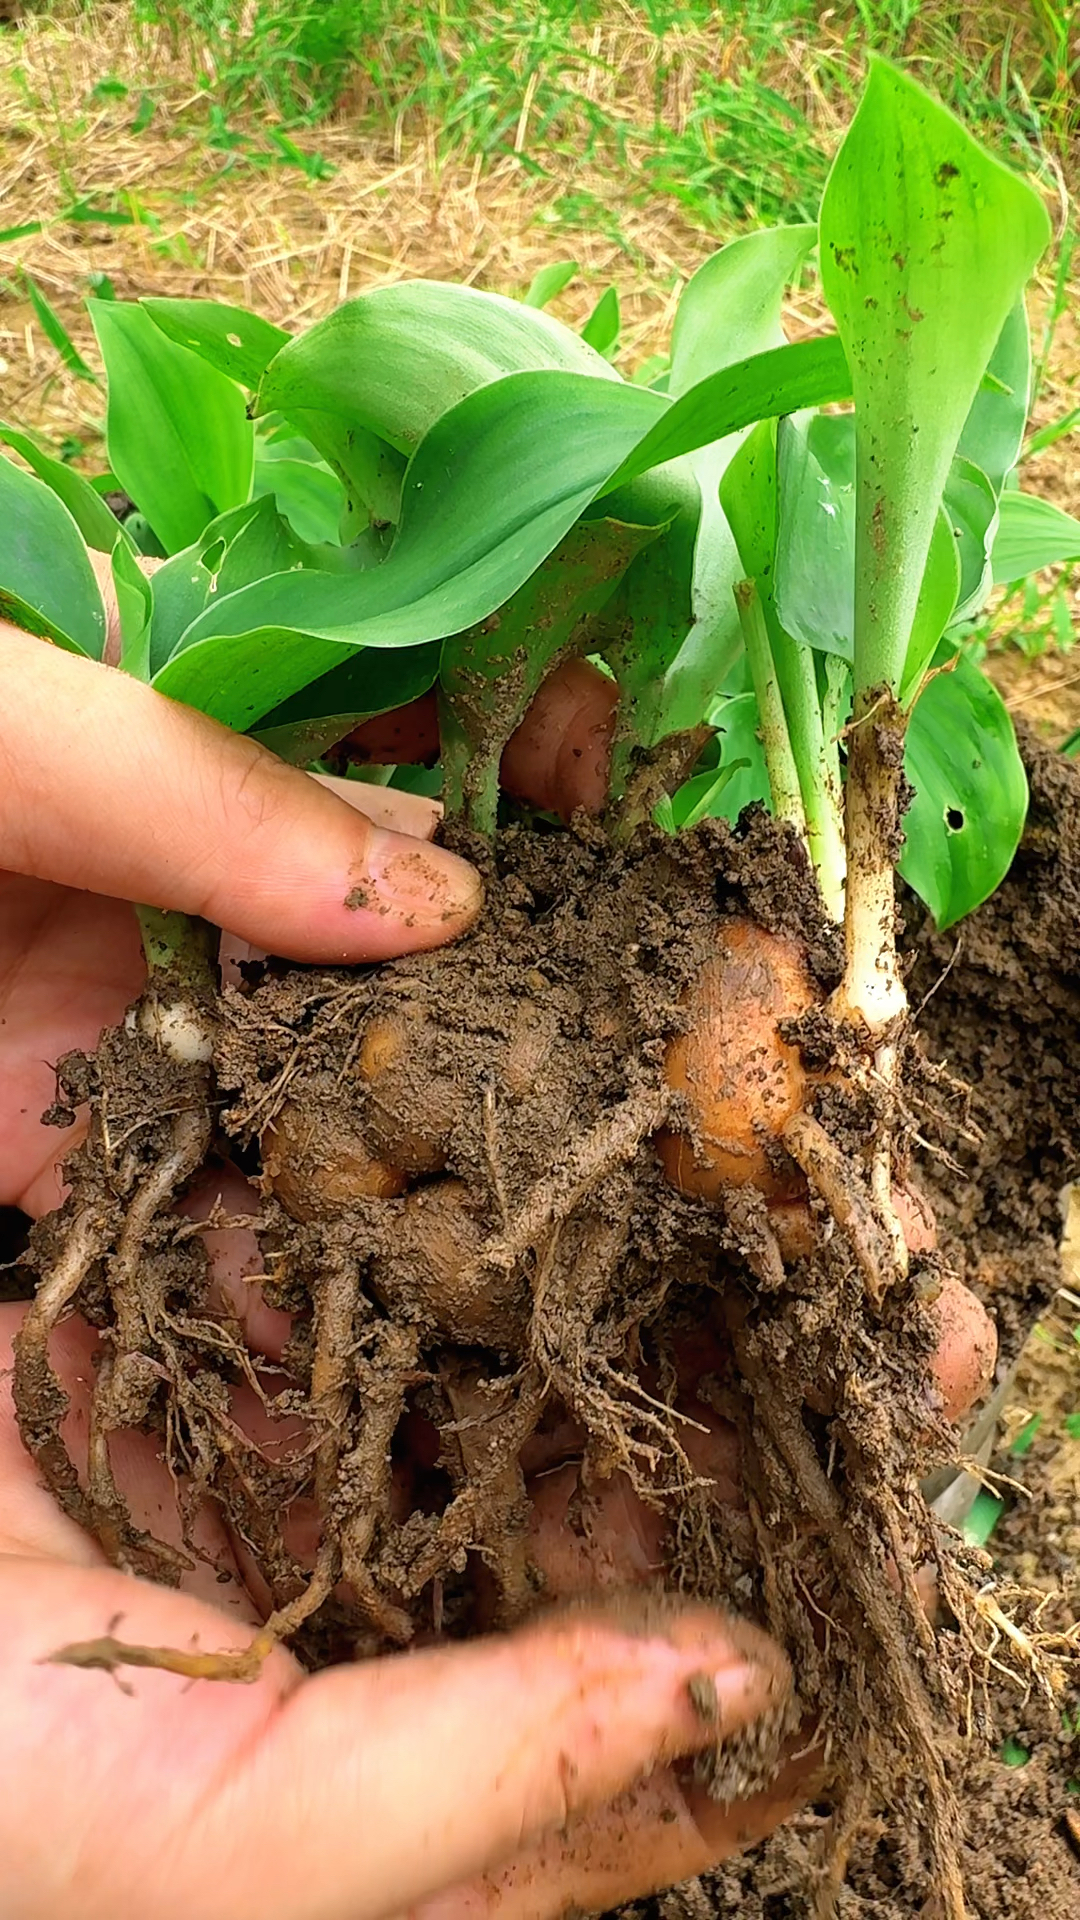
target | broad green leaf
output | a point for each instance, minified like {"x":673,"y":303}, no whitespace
{"x":994,"y":429}
{"x":972,"y":509}
{"x":368,"y":683}
{"x":965,"y":822}
{"x":730,"y":309}
{"x":491,"y":490}
{"x":245,"y":545}
{"x":311,"y":498}
{"x":601,"y":329}
{"x":1031,"y":534}
{"x":815,"y":548}
{"x":97,"y":525}
{"x":178,"y":437}
{"x":366,"y":383}
{"x":546,"y":285}
{"x":45,"y":572}
{"x":489,"y":673}
{"x":811,"y":373}
{"x":394,"y":360}
{"x":239,"y":344}
{"x":926,"y":244}
{"x":135,"y":603}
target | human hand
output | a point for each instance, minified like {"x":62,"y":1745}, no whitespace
{"x":442,"y":1779}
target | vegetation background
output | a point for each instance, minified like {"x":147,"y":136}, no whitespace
{"x":283,"y":154}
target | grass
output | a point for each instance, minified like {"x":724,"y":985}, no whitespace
{"x":729,"y":112}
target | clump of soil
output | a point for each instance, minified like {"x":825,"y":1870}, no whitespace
{"x":466,"y":1211}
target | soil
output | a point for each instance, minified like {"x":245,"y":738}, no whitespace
{"x":508,"y":1282}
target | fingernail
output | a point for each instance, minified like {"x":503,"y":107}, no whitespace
{"x":423,"y":887}
{"x":731,"y":1696}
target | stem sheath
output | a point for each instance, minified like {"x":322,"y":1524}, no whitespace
{"x":775,"y":738}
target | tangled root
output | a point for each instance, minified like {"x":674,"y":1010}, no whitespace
{"x":586,"y":1278}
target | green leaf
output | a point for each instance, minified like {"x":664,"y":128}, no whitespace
{"x":1031,"y":534}
{"x":738,"y":723}
{"x":1013,"y":1753}
{"x":135,"y":601}
{"x":730,"y":309}
{"x":994,"y":429}
{"x":311,"y":498}
{"x":97,"y":525}
{"x":986,"y":1511}
{"x":491,"y":490}
{"x":372,"y":681}
{"x":391,"y":362}
{"x":815,"y":557}
{"x":926,"y":244}
{"x":1025,"y":1438}
{"x":57,"y":334}
{"x":971,"y":506}
{"x":647,"y":624}
{"x":245,"y":545}
{"x":239,"y":344}
{"x":601,"y":329}
{"x":178,"y":437}
{"x":815,"y":548}
{"x":47,"y":584}
{"x":965,"y":822}
{"x":811,"y":373}
{"x":548,"y":283}
{"x":699,"y":798}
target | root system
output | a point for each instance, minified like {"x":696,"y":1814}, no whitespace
{"x":508,"y":1270}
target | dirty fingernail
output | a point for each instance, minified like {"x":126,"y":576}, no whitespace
{"x":421,"y":886}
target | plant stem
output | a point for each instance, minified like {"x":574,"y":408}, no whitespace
{"x":176,"y":1009}
{"x":775,"y":739}
{"x":872,"y":991}
{"x":825,"y":834}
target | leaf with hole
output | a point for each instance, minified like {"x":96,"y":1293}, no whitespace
{"x":238,"y":344}
{"x":971,"y":794}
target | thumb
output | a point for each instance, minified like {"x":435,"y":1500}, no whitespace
{"x":381,"y":1784}
{"x":116,"y":790}
{"x":351,"y":1795}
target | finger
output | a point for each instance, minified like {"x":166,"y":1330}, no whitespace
{"x":468,"y":1753}
{"x":347,"y":1796}
{"x":235,"y":1257}
{"x":558,"y":759}
{"x":223,"y":828}
{"x":560,"y":756}
{"x":655,"y":1836}
{"x":102,"y":565}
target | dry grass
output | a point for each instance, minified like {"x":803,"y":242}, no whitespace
{"x":397,"y":204}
